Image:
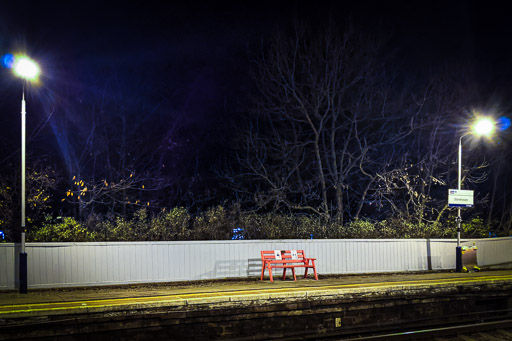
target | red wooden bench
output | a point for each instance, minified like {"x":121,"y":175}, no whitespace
{"x":286,"y":259}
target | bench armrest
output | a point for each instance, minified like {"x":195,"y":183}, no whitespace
{"x":309,"y":261}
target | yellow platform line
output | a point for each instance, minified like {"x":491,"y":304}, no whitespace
{"x":113,"y":302}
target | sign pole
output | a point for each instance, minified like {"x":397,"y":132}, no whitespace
{"x":458,"y":249}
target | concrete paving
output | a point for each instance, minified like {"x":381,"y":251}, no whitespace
{"x":94,"y":299}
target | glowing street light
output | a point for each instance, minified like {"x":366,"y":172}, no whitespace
{"x":27,"y":69}
{"x":483,"y":126}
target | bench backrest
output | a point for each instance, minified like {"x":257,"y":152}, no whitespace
{"x":285,"y":255}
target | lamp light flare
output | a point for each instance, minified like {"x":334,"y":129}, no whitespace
{"x":26,"y":68}
{"x":7,"y":60}
{"x":503,"y":123}
{"x":484,"y":126}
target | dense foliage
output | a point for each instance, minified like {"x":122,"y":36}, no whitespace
{"x":219,"y":223}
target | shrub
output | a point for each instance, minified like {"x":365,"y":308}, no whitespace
{"x":217,"y":223}
{"x":68,"y":230}
{"x":213,"y":224}
{"x":475,"y":228}
{"x":121,"y":229}
{"x":359,"y":229}
{"x":171,"y":226}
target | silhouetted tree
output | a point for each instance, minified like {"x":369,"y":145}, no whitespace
{"x":336,"y":134}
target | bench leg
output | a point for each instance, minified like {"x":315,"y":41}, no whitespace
{"x":306,"y":272}
{"x":270,"y":273}
{"x":262,"y":270}
{"x":314,"y":270}
{"x":293,"y":272}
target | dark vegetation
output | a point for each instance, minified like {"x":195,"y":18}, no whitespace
{"x":217,"y":223}
{"x":336,"y":143}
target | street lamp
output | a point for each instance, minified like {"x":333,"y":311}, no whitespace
{"x":28,"y":70}
{"x":483,"y":126}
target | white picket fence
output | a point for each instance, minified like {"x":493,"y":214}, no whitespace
{"x":53,"y":265}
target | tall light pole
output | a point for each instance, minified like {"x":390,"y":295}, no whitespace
{"x":27,"y":69}
{"x":483,"y":126}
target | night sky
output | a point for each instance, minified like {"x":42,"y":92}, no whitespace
{"x":216,"y":38}
{"x":214,"y":41}
{"x":191,"y":62}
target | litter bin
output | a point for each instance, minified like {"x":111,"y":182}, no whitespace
{"x":469,"y":262}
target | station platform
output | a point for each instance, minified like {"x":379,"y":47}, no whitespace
{"x":54,"y":301}
{"x":203,"y":301}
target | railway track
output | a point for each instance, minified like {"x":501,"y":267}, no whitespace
{"x":483,"y":331}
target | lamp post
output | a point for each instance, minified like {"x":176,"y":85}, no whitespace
{"x":483,"y":126}
{"x":28,"y":70}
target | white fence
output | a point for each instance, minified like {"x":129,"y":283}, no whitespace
{"x":103,"y":263}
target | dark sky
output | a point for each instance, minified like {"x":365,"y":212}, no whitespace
{"x":218,"y":34}
{"x":196,"y":55}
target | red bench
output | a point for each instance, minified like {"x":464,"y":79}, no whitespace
{"x":286,"y":259}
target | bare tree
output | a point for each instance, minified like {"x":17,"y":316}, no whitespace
{"x":423,"y":166}
{"x":335,"y":134}
{"x":324,"y":105}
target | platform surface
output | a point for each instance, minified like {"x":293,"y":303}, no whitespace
{"x":42,"y":302}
